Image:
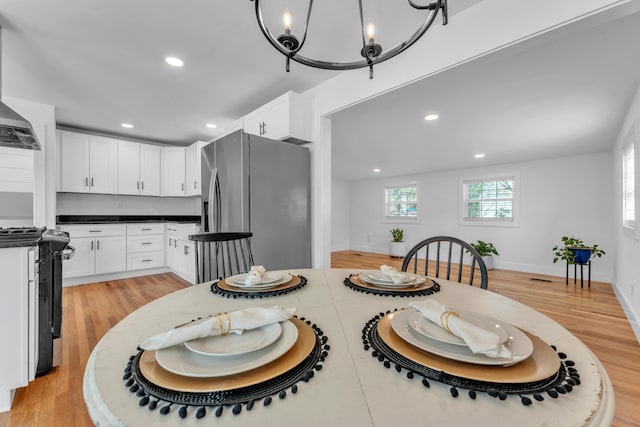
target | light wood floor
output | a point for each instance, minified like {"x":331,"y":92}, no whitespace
{"x":594,"y":315}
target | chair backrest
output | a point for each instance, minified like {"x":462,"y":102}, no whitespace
{"x":220,"y":255}
{"x":441,"y":256}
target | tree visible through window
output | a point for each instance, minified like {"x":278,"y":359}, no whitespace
{"x":489,"y":199}
{"x":401,"y":202}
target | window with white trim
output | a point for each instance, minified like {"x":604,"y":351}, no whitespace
{"x":401,"y":202}
{"x":491,"y":200}
{"x":628,"y":185}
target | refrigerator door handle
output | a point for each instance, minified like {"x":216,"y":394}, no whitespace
{"x":214,"y":202}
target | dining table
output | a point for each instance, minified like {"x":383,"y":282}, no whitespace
{"x":360,"y":368}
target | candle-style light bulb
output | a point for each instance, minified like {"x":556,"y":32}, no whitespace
{"x":371,"y":31}
{"x":286,"y":20}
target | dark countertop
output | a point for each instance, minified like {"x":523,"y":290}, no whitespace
{"x":18,"y":243}
{"x":114,"y":219}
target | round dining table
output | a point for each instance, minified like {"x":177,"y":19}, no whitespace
{"x":354,"y":386}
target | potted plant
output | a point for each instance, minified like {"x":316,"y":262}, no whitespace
{"x":574,"y":251}
{"x":486,"y":251}
{"x":397,"y":247}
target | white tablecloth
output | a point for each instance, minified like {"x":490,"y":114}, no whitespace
{"x":353,"y":389}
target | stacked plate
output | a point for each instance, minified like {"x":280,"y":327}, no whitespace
{"x":427,"y":336}
{"x":270,"y":279}
{"x":381,"y":280}
{"x":224,"y":355}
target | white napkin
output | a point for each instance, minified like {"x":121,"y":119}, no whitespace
{"x":254,"y":277}
{"x":393,"y":274}
{"x":479,"y":340}
{"x":235,"y":322}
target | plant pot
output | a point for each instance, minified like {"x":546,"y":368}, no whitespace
{"x":581,"y":255}
{"x":397,"y":249}
{"x":488,"y":261}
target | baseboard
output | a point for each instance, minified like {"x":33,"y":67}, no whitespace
{"x":75,"y":281}
{"x":626,"y":307}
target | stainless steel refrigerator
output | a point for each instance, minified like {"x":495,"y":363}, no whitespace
{"x":251,"y":183}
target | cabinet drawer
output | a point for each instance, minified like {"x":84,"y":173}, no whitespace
{"x":95,"y":230}
{"x":143,"y":229}
{"x":145,"y":243}
{"x":143,"y":260}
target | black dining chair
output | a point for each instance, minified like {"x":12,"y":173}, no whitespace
{"x":444,"y":256}
{"x":220,"y":255}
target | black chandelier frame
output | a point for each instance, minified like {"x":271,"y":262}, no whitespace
{"x":289,"y":46}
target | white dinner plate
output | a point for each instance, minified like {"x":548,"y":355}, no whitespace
{"x":234,"y":344}
{"x":267,"y":277}
{"x":181,"y":361}
{"x":426,"y":327}
{"x":518,"y":343}
{"x":381,"y":280}
{"x":239,"y":282}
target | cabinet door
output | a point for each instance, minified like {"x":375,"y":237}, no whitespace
{"x":74,"y":162}
{"x":186,"y":264}
{"x":170,"y":252}
{"x":277,"y":120}
{"x":149,"y":170}
{"x":253,"y":122}
{"x":128,"y":167}
{"x":103,"y":165}
{"x":173,"y":174}
{"x":82,"y":262}
{"x":111,"y":254}
{"x":192,"y":169}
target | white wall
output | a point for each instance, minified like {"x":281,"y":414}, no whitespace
{"x":105,"y":204}
{"x":627,"y":277}
{"x":340,"y":214}
{"x":465,"y":38}
{"x":563,"y":196}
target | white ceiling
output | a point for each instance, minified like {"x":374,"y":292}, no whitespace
{"x":101,"y":63}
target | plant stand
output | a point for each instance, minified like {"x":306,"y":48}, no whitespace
{"x":575,"y":270}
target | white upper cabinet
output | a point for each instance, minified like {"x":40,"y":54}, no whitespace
{"x":173,"y":171}
{"x":192,"y":168}
{"x":138,"y":169}
{"x":287,"y":118}
{"x":88,"y":163}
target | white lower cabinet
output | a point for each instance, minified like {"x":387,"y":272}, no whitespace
{"x":99,"y":249}
{"x":118,"y":248}
{"x":145,"y":246}
{"x":181,"y":255}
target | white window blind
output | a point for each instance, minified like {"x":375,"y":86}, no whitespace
{"x":628,"y":186}
{"x":401,"y":202}
{"x":489,"y":199}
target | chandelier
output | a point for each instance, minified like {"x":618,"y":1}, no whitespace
{"x":372,"y":52}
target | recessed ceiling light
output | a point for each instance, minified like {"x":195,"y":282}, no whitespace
{"x":175,"y":62}
{"x":479,"y":156}
{"x":376,"y":170}
{"x":211,"y":126}
{"x":127,"y":125}
{"x":430,"y":117}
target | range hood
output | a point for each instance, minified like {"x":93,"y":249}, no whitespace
{"x":16,"y":131}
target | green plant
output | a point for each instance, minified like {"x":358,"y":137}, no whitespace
{"x":398,"y":234}
{"x":564,"y":252}
{"x":484,"y":248}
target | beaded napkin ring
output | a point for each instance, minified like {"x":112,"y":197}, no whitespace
{"x":222,"y":330}
{"x":444,"y":320}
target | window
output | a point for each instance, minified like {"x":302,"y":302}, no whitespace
{"x":401,"y":202}
{"x":489,"y":201}
{"x":628,"y":186}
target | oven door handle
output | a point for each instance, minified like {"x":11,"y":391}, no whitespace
{"x":68,"y":253}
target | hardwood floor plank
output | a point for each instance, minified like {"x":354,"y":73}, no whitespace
{"x":593,"y":315}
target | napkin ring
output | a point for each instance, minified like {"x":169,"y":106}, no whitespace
{"x":444,"y":320}
{"x":220,"y":323}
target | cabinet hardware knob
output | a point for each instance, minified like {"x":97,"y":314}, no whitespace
{"x":142,"y":185}
{"x":183,"y":186}
{"x":145,"y":243}
{"x":91,"y":245}
{"x":92,"y":181}
{"x":86,"y":181}
{"x":138,"y":185}
{"x":97,"y":245}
